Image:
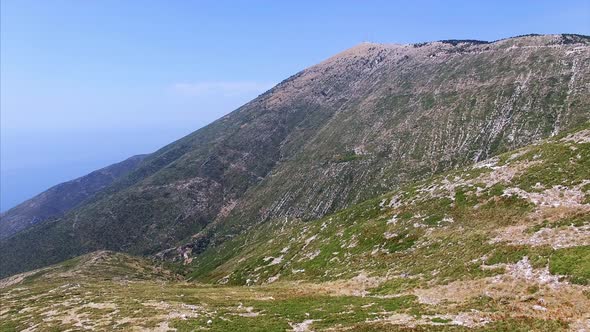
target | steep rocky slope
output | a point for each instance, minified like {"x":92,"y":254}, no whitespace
{"x":462,"y":224}
{"x":354,"y":126}
{"x":502,"y":245}
{"x":59,"y":199}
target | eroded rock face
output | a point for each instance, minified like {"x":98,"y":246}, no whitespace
{"x":354,"y":126}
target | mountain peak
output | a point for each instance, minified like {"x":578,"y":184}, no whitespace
{"x":363,"y":122}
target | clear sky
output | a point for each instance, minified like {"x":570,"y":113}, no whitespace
{"x":88,"y":83}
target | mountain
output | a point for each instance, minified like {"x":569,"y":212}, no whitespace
{"x":361,"y":123}
{"x":59,"y":199}
{"x":500,"y":245}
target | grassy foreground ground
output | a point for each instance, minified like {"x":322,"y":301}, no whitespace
{"x":87,"y":295}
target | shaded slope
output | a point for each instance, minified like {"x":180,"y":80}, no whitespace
{"x":63,"y":197}
{"x":354,"y":126}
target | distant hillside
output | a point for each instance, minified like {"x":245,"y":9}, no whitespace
{"x":59,"y":199}
{"x":362,"y":123}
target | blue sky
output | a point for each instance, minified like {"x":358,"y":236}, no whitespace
{"x":88,"y":83}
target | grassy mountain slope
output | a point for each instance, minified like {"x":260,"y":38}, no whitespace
{"x":354,"y":126}
{"x":426,"y":109}
{"x":59,"y":199}
{"x":501,"y":245}
{"x":532,"y":202}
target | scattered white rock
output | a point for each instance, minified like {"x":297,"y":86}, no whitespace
{"x":389,"y":235}
{"x":524,"y":270}
{"x":303,"y":326}
{"x":392,"y":220}
{"x":308,"y":240}
{"x":272,"y":279}
{"x":556,"y":196}
{"x":273,"y":260}
{"x":580,"y":137}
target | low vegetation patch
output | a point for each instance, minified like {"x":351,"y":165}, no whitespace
{"x":573,"y":263}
